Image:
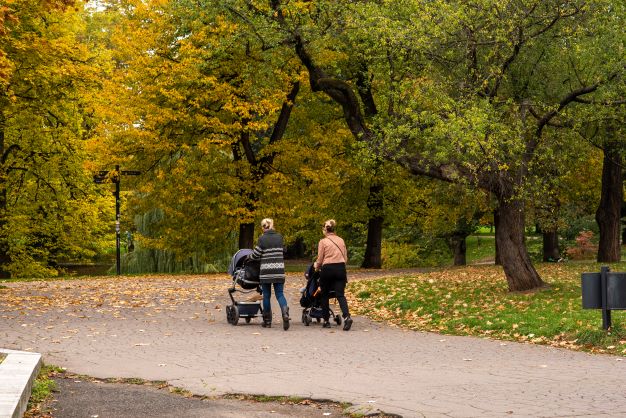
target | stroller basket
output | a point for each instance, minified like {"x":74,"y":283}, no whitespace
{"x":248,"y":308}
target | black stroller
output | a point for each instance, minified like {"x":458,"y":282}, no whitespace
{"x":311,"y":299}
{"x":245,"y":275}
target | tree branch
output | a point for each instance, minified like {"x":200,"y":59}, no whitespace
{"x":5,"y":156}
{"x":571,"y":97}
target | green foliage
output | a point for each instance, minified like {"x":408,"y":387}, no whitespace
{"x":426,"y":254}
{"x":190,"y":92}
{"x":575,"y":226}
{"x":48,"y":207}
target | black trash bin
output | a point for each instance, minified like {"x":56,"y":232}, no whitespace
{"x":616,"y":291}
{"x":592,"y":291}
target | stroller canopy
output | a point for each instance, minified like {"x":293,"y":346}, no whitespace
{"x":238,"y":259}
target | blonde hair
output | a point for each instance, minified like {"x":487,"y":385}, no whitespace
{"x":267,"y":223}
{"x":329,"y":225}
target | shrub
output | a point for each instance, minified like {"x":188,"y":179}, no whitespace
{"x":428,"y":254}
{"x":584,"y":248}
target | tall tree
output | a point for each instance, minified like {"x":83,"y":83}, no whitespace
{"x":486,"y":82}
{"x":48,"y":208}
{"x":208,"y":103}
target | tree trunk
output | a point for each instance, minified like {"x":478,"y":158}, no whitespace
{"x":551,"y":246}
{"x":373,"y":248}
{"x":609,"y":210}
{"x":458,"y":246}
{"x":4,"y":249}
{"x":246,"y":235}
{"x":510,"y":241}
{"x":297,"y":250}
{"x":496,"y":222}
{"x":372,"y":258}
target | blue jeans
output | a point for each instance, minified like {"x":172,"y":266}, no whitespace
{"x":267,"y":294}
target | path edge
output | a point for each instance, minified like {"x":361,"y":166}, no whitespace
{"x":18,"y":372}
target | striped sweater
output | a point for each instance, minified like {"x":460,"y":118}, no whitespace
{"x":269,"y":250}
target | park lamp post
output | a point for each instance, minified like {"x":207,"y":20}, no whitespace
{"x":115,"y":177}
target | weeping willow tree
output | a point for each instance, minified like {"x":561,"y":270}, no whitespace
{"x":148,"y":259}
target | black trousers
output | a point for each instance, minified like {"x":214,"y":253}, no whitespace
{"x":333,"y":280}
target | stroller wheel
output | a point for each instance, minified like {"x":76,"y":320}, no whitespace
{"x":305,"y":319}
{"x":248,"y":319}
{"x":229,"y":314}
{"x":235,"y":315}
{"x":338,"y":319}
{"x":318,"y":320}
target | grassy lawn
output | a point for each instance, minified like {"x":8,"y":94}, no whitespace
{"x":474,"y":301}
{"x":480,"y":248}
{"x":483,"y":247}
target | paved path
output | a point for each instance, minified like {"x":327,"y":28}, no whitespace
{"x":174,"y":329}
{"x":81,"y":398}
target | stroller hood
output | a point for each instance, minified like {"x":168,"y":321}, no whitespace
{"x":238,"y":259}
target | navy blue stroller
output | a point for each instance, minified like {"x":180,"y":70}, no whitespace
{"x":311,"y":299}
{"x":245,"y":274}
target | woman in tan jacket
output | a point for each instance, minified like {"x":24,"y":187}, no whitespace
{"x":332,"y":258}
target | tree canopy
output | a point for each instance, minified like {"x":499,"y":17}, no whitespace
{"x":420,"y":115}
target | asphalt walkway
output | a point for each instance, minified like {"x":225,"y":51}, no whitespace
{"x":174,"y":329}
{"x":77,"y":397}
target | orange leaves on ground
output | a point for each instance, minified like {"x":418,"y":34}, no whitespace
{"x":113,"y":296}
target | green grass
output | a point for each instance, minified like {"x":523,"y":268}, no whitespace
{"x":475,"y":301}
{"x":43,"y":386}
{"x":483,"y":247}
{"x":480,"y":248}
{"x":485,"y":230}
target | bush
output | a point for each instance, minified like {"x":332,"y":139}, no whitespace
{"x":402,"y":255}
{"x":577,"y":224}
{"x":356,"y":255}
{"x":584,"y":247}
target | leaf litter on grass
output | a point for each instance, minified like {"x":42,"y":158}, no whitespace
{"x":475,"y":301}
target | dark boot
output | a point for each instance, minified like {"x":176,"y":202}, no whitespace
{"x":347,"y":323}
{"x":285,"y":312}
{"x":267,"y":319}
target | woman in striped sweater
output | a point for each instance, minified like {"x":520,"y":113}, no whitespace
{"x":269,"y":251}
